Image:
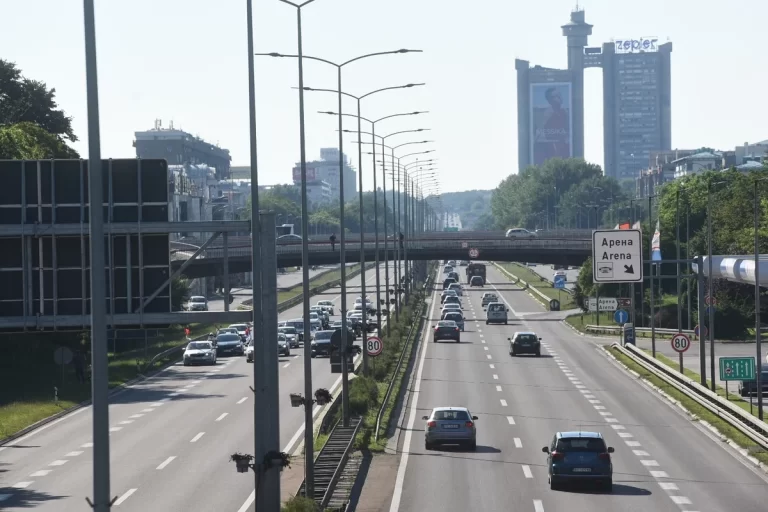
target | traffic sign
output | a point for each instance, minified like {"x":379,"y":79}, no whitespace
{"x":710,"y":301}
{"x":700,"y":332}
{"x":554,"y":305}
{"x":606,"y":304}
{"x":617,"y":256}
{"x":680,"y":342}
{"x":464,"y":245}
{"x":374,"y":346}
{"x":624,"y":302}
{"x":620,"y":316}
{"x":474,"y":253}
{"x":737,"y":368}
{"x":559,"y":282}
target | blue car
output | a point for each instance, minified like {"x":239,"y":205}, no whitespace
{"x":579,"y":457}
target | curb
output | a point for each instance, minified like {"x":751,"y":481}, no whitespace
{"x":112,"y":392}
{"x":672,"y":402}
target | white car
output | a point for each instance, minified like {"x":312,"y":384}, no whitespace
{"x":199,"y":352}
{"x":457,"y":288}
{"x":327,"y":305}
{"x":240,"y":328}
{"x":520,"y":233}
{"x":249,"y":353}
{"x":321,"y":313}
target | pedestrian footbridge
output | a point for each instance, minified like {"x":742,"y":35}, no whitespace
{"x":738,"y":268}
{"x":543,"y":249}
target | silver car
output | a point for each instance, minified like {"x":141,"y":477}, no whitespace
{"x":450,"y":425}
{"x":199,"y":352}
{"x":283,"y":348}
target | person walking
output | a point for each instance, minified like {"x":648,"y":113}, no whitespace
{"x":333,"y":241}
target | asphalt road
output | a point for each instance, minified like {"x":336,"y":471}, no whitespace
{"x":546,"y":271}
{"x":171,"y":438}
{"x":663,"y":461}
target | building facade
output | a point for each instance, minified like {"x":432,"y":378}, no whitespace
{"x":327,"y":170}
{"x":178,"y":147}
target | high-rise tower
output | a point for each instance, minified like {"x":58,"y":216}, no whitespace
{"x":577,"y":32}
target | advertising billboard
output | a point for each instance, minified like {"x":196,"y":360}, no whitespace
{"x":311,"y":174}
{"x":645,"y":44}
{"x":551,"y":121}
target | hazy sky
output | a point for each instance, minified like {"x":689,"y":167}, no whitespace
{"x":185,"y":60}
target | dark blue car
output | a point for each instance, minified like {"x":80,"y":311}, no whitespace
{"x":579,"y":457}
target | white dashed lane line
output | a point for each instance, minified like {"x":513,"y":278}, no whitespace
{"x":518,"y":443}
{"x":538,"y":506}
{"x":527,"y":471}
{"x":510,"y":420}
{"x":124,"y":497}
{"x":87,"y":445}
{"x":59,"y":462}
{"x":498,"y":388}
{"x":503,"y":402}
{"x":73,"y":454}
{"x":166,"y":462}
{"x":197,"y":437}
{"x":242,"y":400}
{"x":42,"y":472}
{"x":224,"y":415}
{"x":22,"y":485}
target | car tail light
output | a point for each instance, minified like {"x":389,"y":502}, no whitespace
{"x":558,"y":456}
{"x":432,"y":424}
{"x":436,"y":328}
{"x":469,"y":424}
{"x":605,"y":456}
{"x":457,"y":328}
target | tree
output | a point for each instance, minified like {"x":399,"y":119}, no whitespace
{"x":28,"y":141}
{"x":25,"y":100}
{"x":179,"y":292}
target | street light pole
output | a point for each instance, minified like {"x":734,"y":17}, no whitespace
{"x":711,"y":306}
{"x":758,"y":334}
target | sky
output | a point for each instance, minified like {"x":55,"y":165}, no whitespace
{"x":186,"y":61}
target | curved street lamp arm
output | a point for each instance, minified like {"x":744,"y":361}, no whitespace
{"x":405,"y":114}
{"x":409,"y":143}
{"x":406,"y":86}
{"x":331,"y":113}
{"x":276,"y":54}
{"x":298,"y":6}
{"x":328,"y":90}
{"x":403,"y":50}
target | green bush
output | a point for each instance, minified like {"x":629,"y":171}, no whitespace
{"x":300,"y":504}
{"x":363,"y":393}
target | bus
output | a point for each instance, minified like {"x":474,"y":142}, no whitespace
{"x":475,"y":269}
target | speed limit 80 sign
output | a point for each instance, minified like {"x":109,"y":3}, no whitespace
{"x":374,"y":346}
{"x":680,"y":342}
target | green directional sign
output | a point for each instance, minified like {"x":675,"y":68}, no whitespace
{"x":737,"y":368}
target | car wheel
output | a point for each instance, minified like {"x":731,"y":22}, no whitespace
{"x":538,"y":353}
{"x":553,"y":485}
{"x":312,"y":355}
{"x":473,"y":446}
{"x":608,"y":485}
{"x":428,"y":445}
{"x":458,"y":340}
{"x":487,"y":322}
{"x":506,"y":322}
{"x":186,"y":363}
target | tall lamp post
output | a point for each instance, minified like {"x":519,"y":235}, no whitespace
{"x":342,"y":244}
{"x":711,"y":306}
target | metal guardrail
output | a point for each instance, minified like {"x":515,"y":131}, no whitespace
{"x":617,"y":329}
{"x":407,"y":344}
{"x":340,"y":468}
{"x":748,"y":424}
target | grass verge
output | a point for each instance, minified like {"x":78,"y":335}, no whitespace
{"x":698,"y":411}
{"x":541,"y":284}
{"x":27,"y":387}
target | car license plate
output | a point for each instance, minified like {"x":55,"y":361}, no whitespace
{"x":582,"y":470}
{"x":450,"y":426}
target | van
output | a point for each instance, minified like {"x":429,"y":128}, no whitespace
{"x":496,"y":313}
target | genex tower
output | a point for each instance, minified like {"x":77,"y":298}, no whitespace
{"x":577,"y":31}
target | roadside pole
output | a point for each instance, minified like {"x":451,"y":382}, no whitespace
{"x":702,"y":340}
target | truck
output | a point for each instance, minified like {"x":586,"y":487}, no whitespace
{"x":475,"y":269}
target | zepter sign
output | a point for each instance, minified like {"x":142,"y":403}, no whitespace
{"x":645,"y":44}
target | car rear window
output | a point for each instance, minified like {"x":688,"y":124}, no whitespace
{"x":324,"y":335}
{"x":456,"y":317}
{"x":527,"y":337}
{"x":496,"y":307}
{"x":580,"y":444}
{"x":446,"y":323}
{"x":451,"y":415}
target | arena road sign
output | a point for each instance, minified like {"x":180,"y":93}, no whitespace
{"x":617,"y":256}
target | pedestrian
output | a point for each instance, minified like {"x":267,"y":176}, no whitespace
{"x":79,"y":362}
{"x":333,"y":241}
{"x":402,"y":239}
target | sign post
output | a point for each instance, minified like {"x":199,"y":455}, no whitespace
{"x":736,"y":368}
{"x":617,"y":256}
{"x":680,"y":344}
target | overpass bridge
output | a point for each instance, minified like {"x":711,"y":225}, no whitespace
{"x":567,"y":249}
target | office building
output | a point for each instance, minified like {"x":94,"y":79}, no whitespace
{"x":327,"y":170}
{"x":178,"y":147}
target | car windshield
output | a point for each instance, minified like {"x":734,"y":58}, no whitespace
{"x":451,"y":415}
{"x":446,"y":323}
{"x":238,"y":327}
{"x":452,"y":299}
{"x":580,"y":444}
{"x":228,"y":330}
{"x":287,"y":330}
{"x":197,"y":299}
{"x":452,"y":305}
{"x":527,"y":337}
{"x":323,"y":335}
{"x":228,"y":337}
{"x":199,"y":345}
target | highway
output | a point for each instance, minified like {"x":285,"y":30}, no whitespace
{"x":546,"y":271}
{"x":663,"y":461}
{"x":171,"y":438}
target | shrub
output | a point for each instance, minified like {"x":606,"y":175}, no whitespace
{"x":300,"y":504}
{"x":363,"y":392}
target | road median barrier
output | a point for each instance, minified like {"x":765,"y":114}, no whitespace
{"x":746,"y":424}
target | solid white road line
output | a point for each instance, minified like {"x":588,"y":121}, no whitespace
{"x":166,"y":462}
{"x":527,"y":471}
{"x":518,"y":443}
{"x":124,"y":497}
{"x":400,"y":480}
{"x":224,"y":415}
{"x":197,"y":437}
{"x":247,"y":505}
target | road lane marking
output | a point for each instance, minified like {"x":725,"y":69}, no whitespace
{"x":580,"y":386}
{"x":22,"y":485}
{"x":618,"y":427}
{"x":87,"y":445}
{"x":482,"y":341}
{"x":599,"y":407}
{"x":116,"y":429}
{"x":518,"y":443}
{"x":594,"y":401}
{"x":59,"y":462}
{"x":400,"y":479}
{"x":633,"y":444}
{"x":165,"y":399}
{"x":606,"y":413}
{"x":492,"y":366}
{"x":74,"y":454}
{"x":125,"y":422}
{"x":498,"y":388}
{"x":611,"y":420}
{"x":589,"y":396}
{"x":124,"y":497}
{"x":584,"y":391}
{"x":538,"y":506}
{"x":166,"y":462}
{"x":495,"y":377}
{"x":485,"y":348}
{"x":242,"y":400}
{"x":489,"y":356}
{"x":136,"y":416}
{"x":649,"y":463}
{"x":42,"y":472}
{"x":681,"y":500}
{"x":197,"y":437}
{"x":286,"y":365}
{"x":157,"y":404}
{"x":224,"y":415}
{"x":511,"y":420}
{"x":147,"y":410}
{"x":669,"y":486}
{"x":625,"y":434}
{"x":503,"y":402}
{"x":659,"y":474}
{"x":527,"y":471}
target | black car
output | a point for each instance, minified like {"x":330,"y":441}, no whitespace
{"x":525,"y":343}
{"x":352,"y":335}
{"x":448,"y":282}
{"x":321,"y":345}
{"x":446,"y":330}
{"x":229,"y":344}
{"x":749,"y":387}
